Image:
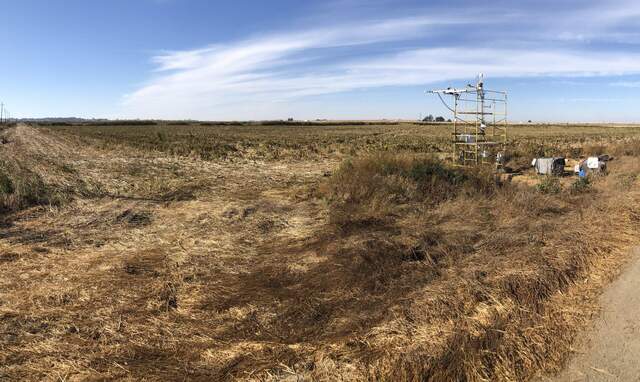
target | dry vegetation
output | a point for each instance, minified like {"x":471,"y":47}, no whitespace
{"x":285,"y":252}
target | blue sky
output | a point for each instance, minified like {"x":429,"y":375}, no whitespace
{"x":575,"y":60}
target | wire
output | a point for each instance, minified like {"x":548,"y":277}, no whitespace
{"x":444,"y":103}
{"x":453,"y":111}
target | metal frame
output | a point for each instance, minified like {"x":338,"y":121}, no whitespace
{"x":479,"y":124}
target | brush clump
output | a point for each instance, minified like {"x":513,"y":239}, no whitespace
{"x":373,"y":188}
{"x":21,"y":188}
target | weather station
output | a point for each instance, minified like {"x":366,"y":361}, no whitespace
{"x":479,"y":119}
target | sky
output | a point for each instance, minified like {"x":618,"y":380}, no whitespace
{"x":572,"y":60}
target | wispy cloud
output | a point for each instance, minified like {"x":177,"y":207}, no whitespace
{"x":262,"y":77}
{"x":613,"y":21}
{"x":626,"y":84}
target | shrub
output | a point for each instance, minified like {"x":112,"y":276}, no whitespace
{"x":580,"y":185}
{"x":373,"y":188}
{"x":549,"y":185}
{"x":21,"y":188}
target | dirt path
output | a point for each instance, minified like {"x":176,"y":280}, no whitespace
{"x":612,"y":349}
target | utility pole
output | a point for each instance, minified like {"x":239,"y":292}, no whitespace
{"x":1,"y":112}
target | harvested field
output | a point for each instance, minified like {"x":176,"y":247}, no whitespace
{"x":300,"y":252}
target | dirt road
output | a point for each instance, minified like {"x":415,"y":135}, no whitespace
{"x":611,"y":351}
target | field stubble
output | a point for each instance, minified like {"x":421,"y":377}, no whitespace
{"x":275,"y":253}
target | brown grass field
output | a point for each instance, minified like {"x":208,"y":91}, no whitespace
{"x":286,"y":253}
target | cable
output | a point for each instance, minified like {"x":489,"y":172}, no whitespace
{"x":453,"y":111}
{"x":444,"y":103}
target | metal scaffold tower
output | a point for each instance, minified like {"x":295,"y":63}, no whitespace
{"x":479,"y":123}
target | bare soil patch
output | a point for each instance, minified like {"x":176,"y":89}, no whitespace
{"x":610,"y":351}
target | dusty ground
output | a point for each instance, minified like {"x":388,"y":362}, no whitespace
{"x":611,"y":350}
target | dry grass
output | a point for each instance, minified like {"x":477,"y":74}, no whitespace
{"x":261,"y":267}
{"x":371,"y":189}
{"x":480,"y":272}
{"x":319,"y":141}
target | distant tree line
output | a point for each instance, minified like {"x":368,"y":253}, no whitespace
{"x":431,"y":118}
{"x":208,"y":123}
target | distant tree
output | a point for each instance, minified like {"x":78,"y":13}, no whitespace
{"x":440,"y":119}
{"x":428,"y":118}
{"x":448,"y":120}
